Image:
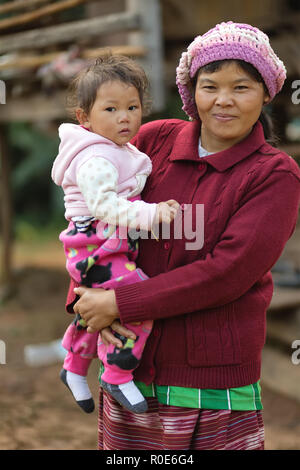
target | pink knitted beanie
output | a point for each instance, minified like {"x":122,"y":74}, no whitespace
{"x":229,"y":41}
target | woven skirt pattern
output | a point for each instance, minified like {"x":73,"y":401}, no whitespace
{"x":166,"y":427}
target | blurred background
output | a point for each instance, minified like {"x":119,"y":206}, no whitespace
{"x":43,"y":44}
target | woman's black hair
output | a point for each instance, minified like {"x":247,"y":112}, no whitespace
{"x":264,"y":118}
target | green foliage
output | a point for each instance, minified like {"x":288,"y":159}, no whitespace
{"x":5,"y":15}
{"x":37,"y":201}
{"x":172,"y":109}
{"x":34,"y":153}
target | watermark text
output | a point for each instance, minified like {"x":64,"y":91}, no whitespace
{"x":188,"y":225}
{"x":296,"y":354}
{"x":2,"y":352}
{"x":2,"y":92}
{"x":296,"y":93}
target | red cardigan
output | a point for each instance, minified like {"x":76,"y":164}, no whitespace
{"x":209,"y":304}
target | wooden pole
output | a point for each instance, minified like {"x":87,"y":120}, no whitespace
{"x":69,"y":32}
{"x":150,"y":36}
{"x":6,"y":210}
{"x":32,"y":61}
{"x":39,"y":13}
{"x":19,"y":5}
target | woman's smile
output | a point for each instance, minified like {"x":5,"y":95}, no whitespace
{"x":224,"y":117}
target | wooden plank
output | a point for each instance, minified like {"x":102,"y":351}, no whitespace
{"x":35,"y":108}
{"x":183,"y":20}
{"x":286,"y":45}
{"x":39,"y":13}
{"x":69,"y":32}
{"x":285,"y":298}
{"x":33,"y":61}
{"x":291,"y":149}
{"x":283,"y":331}
{"x":20,"y":5}
{"x":279,"y":373}
{"x":128,"y":50}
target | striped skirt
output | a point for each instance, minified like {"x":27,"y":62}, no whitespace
{"x":166,"y":427}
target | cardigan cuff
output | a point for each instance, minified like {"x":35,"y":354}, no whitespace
{"x":129,"y":305}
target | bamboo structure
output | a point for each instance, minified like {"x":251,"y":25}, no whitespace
{"x":39,"y":13}
{"x":34,"y":45}
{"x":19,"y":5}
{"x":33,"y":61}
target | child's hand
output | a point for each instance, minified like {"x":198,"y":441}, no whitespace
{"x":166,"y":211}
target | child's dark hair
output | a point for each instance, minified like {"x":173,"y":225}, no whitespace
{"x":83,"y":89}
{"x":264,"y":117}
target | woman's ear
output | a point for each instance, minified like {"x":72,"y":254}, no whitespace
{"x":82,"y":118}
{"x":267,"y":99}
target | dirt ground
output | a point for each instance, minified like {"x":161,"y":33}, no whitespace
{"x":36,"y":410}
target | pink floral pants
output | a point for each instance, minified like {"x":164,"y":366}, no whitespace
{"x":99,"y":258}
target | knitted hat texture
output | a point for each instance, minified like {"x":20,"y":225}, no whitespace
{"x":229,"y":41}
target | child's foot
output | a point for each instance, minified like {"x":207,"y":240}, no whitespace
{"x":128,"y":395}
{"x":79,"y":388}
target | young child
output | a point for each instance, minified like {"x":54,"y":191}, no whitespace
{"x":102,"y":176}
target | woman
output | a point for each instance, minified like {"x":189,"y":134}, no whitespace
{"x":201,"y":365}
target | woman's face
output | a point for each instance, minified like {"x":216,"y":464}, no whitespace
{"x":229,"y":102}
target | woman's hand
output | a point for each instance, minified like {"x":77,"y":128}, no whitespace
{"x":108,"y":336}
{"x":98,"y":307}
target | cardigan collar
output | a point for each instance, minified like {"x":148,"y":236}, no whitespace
{"x":187,"y":141}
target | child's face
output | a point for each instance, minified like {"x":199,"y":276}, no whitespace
{"x":116,"y":113}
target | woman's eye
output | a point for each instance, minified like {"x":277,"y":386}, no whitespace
{"x":110,"y":109}
{"x":209,"y":87}
{"x":133,"y":107}
{"x":241,"y":87}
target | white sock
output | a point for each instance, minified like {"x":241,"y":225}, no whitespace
{"x":78,"y":385}
{"x":131,"y":392}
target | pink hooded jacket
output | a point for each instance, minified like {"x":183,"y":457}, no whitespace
{"x":77,"y":146}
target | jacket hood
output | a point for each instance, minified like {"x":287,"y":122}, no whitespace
{"x":73,"y":139}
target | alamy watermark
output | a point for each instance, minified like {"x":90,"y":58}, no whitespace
{"x":296,"y":354}
{"x":2,"y":92}
{"x":188,"y":225}
{"x":295,"y":358}
{"x":2,"y":352}
{"x":296,"y":93}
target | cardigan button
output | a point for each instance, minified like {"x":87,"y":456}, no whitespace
{"x":182,"y":206}
{"x":166,"y":245}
